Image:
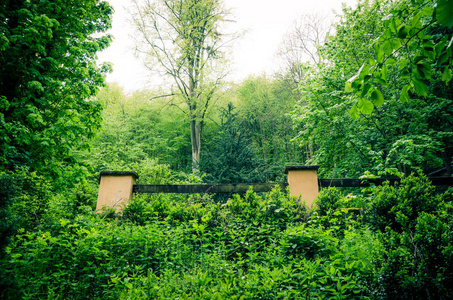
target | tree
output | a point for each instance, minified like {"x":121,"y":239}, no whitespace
{"x":231,"y":157}
{"x":181,"y":39}
{"x":416,"y":42}
{"x":405,"y":135}
{"x":48,"y":73}
{"x":262,"y":107}
{"x":302,"y":43}
{"x":135,"y":132}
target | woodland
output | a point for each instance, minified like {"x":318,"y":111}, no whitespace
{"x":366,"y":95}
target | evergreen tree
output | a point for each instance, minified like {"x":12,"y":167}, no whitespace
{"x":231,"y":157}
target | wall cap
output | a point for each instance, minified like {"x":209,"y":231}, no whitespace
{"x":119,"y":173}
{"x":300,"y":167}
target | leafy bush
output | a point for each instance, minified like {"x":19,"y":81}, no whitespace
{"x":328,"y":200}
{"x":416,"y":226}
{"x":308,"y":242}
{"x":398,"y":207}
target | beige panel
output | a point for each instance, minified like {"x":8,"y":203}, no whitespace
{"x":115,"y":190}
{"x":304,"y":183}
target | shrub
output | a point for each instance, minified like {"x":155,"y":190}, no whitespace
{"x":308,"y":242}
{"x":416,"y":228}
{"x":397,"y":207}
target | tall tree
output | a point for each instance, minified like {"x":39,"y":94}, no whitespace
{"x":407,"y":135}
{"x":301,"y":44}
{"x":48,"y":72}
{"x":181,"y":39}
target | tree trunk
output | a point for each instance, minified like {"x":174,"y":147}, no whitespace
{"x":195,"y":139}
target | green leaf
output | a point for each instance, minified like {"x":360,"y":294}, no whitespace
{"x":395,"y":43}
{"x":377,"y":97}
{"x":420,"y":87}
{"x":387,"y":47}
{"x":424,"y":70}
{"x":439,"y":47}
{"x":364,"y":70}
{"x":405,"y":93}
{"x":447,"y":74}
{"x":365,"y":89}
{"x":365,"y":106}
{"x":392,"y":26}
{"x":384,"y":73}
{"x":403,"y":31}
{"x":444,"y":12}
{"x":416,"y":19}
{"x":348,"y":88}
{"x":379,"y":53}
{"x":354,"y":113}
{"x":427,"y":10}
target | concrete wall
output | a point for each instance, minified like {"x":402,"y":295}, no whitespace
{"x":303,"y":182}
{"x":115,"y":189}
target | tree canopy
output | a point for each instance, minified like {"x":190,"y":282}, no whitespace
{"x":182,"y":39}
{"x":406,"y":135}
{"x":48,"y":73}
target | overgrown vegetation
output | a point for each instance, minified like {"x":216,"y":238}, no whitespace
{"x":269,"y":246}
{"x":357,"y":109}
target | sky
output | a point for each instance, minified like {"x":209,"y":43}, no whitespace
{"x":265,"y":23}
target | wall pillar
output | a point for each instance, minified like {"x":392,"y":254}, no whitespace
{"x":303,"y":181}
{"x":115,"y":188}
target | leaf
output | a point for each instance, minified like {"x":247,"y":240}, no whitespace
{"x":427,"y":10}
{"x":420,"y":87}
{"x":384,"y":73}
{"x":387,"y":47}
{"x":365,"y":89}
{"x":354,"y":113}
{"x":379,"y":53}
{"x":395,"y":43}
{"x":447,"y":74}
{"x":377,"y":97}
{"x":415,"y":20}
{"x":365,"y":106}
{"x":444,"y":12}
{"x":424,"y":70}
{"x":439,"y":47}
{"x":405,"y":93}
{"x":348,"y":88}
{"x":392,"y":26}
{"x":364,"y":70}
{"x":403,"y":31}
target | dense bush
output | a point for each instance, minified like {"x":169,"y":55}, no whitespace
{"x":415,"y":224}
{"x":253,"y":246}
{"x":165,"y":247}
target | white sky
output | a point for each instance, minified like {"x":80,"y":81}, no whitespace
{"x":265,"y":22}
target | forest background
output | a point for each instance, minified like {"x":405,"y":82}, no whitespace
{"x":373,"y":99}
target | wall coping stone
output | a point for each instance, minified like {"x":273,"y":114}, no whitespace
{"x":301,"y":167}
{"x":119,"y":173}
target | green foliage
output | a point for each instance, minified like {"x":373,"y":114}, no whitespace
{"x":399,"y":135}
{"x":415,"y":223}
{"x":24,"y":199}
{"x":262,"y":106}
{"x":308,"y":242}
{"x":231,"y":157}
{"x":399,"y":207}
{"x":137,"y":132}
{"x":409,"y":45}
{"x":328,"y":200}
{"x":168,"y":247}
{"x":48,"y":73}
{"x":7,"y":194}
